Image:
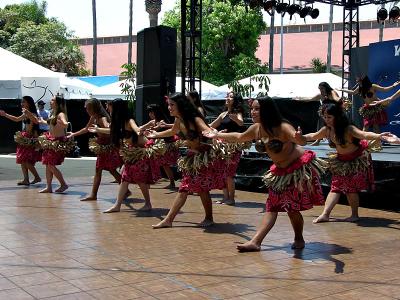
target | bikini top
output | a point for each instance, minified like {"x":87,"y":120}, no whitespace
{"x":229,"y":125}
{"x":273,"y":145}
{"x":332,"y":144}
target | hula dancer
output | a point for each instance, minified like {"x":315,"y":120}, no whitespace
{"x":140,"y":167}
{"x":55,"y":145}
{"x":202,"y":168}
{"x":108,"y":157}
{"x":351,"y":166}
{"x":231,"y":120}
{"x":292,"y":181}
{"x":27,"y":144}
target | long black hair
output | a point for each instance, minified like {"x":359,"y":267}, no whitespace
{"x":32,"y":108}
{"x":341,"y":122}
{"x":270,"y":116}
{"x":237,"y":106}
{"x":196,"y":100}
{"x":365,"y":85}
{"x":156,"y":109}
{"x":120,"y":115}
{"x":97,"y":108}
{"x":187,"y":111}
{"x":61,"y":107}
{"x":327,"y":87}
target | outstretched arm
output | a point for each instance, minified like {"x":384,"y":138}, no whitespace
{"x":163,"y":134}
{"x":84,"y":129}
{"x":351,"y":92}
{"x":308,"y":99}
{"x":299,"y":138}
{"x":386,"y":88}
{"x":366,"y":135}
{"x":11,"y":117}
{"x":249,"y":135}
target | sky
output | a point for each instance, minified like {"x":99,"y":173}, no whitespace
{"x":113,"y":16}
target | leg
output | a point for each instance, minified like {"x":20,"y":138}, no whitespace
{"x":331,"y":201}
{"x":268,"y":221}
{"x":297,"y":223}
{"x":170,"y":176}
{"x":315,"y":143}
{"x":34,"y":172}
{"x":174,"y":210}
{"x":25,"y":174}
{"x":354,"y":202}
{"x":145,"y":191}
{"x":207,"y":204}
{"x":123,"y":188}
{"x":95,"y":187}
{"x":49,"y":179}
{"x":230,"y":186}
{"x":57,"y":173}
{"x":116,"y":175}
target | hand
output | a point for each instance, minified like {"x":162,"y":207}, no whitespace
{"x":2,"y":113}
{"x":390,"y":138}
{"x":298,"y":135}
{"x":374,"y":103}
{"x":210,"y":133}
{"x":93,"y":129}
{"x":70,"y":135}
{"x":151,"y":134}
{"x":162,"y":124}
{"x":24,"y":111}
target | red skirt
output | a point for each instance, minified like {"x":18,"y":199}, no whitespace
{"x":209,"y":177}
{"x":378,"y":118}
{"x":169,"y":159}
{"x":358,"y":179}
{"x":109,"y":160}
{"x":142,"y":171}
{"x":296,"y":197}
{"x":53,"y":157}
{"x":27,"y":154}
{"x":232,"y":164}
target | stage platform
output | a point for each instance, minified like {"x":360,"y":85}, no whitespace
{"x":386,"y":167}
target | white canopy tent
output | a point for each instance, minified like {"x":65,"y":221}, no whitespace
{"x":293,"y":85}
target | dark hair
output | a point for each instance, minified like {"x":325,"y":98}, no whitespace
{"x":237,"y":106}
{"x":97,"y":108}
{"x":156,"y":109}
{"x":327,"y":87}
{"x":270,"y":116}
{"x":188,"y":112}
{"x":119,"y":116}
{"x":60,"y":108}
{"x":32,"y":109}
{"x":196,"y":100}
{"x":364,"y":85}
{"x":341,"y":122}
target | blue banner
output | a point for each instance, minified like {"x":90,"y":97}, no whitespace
{"x":384,"y":70}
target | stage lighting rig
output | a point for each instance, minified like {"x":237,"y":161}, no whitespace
{"x":292,"y":9}
{"x":382,"y":15}
{"x":394,"y":13}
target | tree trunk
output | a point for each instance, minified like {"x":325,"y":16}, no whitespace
{"x":130,"y":32}
{"x":94,"y":63}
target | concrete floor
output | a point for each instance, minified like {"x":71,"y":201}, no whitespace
{"x":56,"y":247}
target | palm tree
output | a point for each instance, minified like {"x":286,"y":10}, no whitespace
{"x":94,"y":67}
{"x":130,"y":32}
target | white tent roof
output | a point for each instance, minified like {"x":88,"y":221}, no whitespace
{"x":73,"y":88}
{"x":109,"y":91}
{"x":13,"y":67}
{"x":293,"y":85}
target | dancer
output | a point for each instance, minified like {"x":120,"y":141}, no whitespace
{"x":326,"y":95}
{"x":194,"y":97}
{"x":108,"y":157}
{"x":231,"y":120}
{"x":157,"y":123}
{"x":293,"y":179}
{"x":351,"y":166}
{"x":55,"y":144}
{"x":27,"y":144}
{"x":373,"y":110}
{"x":139,"y":166}
{"x":202,"y":168}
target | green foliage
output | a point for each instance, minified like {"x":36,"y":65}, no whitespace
{"x":246,"y":90}
{"x":128,"y":87}
{"x":230,"y":38}
{"x":26,"y":31}
{"x":318,"y":65}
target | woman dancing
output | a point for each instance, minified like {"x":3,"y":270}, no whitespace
{"x":157,"y":123}
{"x":293,"y":179}
{"x":55,"y":145}
{"x":194,"y":97}
{"x":27,"y":144}
{"x":108,"y":157}
{"x":139,"y":165}
{"x":351,"y":166}
{"x":202,"y":168}
{"x":231,"y":120}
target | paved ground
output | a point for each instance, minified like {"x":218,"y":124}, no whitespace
{"x":56,"y":247}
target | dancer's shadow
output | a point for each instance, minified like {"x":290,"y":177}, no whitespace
{"x":316,"y":251}
{"x":157,"y":212}
{"x":238,"y":229}
{"x":246,"y":204}
{"x":378,"y":222}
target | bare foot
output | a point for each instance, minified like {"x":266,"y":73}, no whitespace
{"x":46,"y":190}
{"x":128,"y":194}
{"x":220,"y":201}
{"x":23,"y":182}
{"x":36,"y":180}
{"x":248,"y":247}
{"x":61,"y":189}
{"x":163,"y":224}
{"x":206,"y":223}
{"x":89,"y":198}
{"x":112,"y":209}
{"x":298,"y":245}
{"x":350,"y":219}
{"x":146,"y":207}
{"x":321,"y":219}
{"x":230,"y":202}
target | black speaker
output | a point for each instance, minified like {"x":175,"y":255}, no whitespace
{"x":156,"y":68}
